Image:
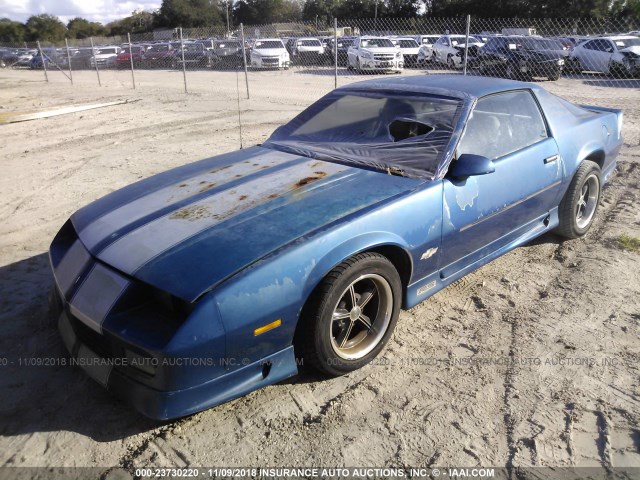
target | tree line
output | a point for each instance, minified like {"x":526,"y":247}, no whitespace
{"x":208,"y":13}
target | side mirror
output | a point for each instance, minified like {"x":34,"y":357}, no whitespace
{"x":468,"y":165}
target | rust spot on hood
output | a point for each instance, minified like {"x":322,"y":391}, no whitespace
{"x":307,"y":180}
{"x":206,"y":186}
{"x":192,"y":212}
{"x":242,"y":197}
{"x":220,"y":168}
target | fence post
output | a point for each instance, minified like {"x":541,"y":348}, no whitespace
{"x":184,"y":68}
{"x":466,"y":45}
{"x":133,"y":77}
{"x":244,"y":59}
{"x":335,"y":53}
{"x":46,"y":77}
{"x":69,"y":61}
{"x":95,"y":61}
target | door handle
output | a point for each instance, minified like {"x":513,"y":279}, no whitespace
{"x":551,"y":159}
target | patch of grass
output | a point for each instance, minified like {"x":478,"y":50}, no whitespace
{"x":627,"y":242}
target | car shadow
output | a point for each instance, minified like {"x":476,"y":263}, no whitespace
{"x":40,"y":392}
{"x":614,"y":83}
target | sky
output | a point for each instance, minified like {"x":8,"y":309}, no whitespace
{"x":103,"y":11}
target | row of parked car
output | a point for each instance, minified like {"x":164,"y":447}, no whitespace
{"x":514,"y":56}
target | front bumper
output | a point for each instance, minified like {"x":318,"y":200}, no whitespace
{"x":166,"y":405}
{"x":381,"y":65}
{"x":269,"y":63}
{"x":166,"y":357}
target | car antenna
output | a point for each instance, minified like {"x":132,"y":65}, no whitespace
{"x":238,"y":95}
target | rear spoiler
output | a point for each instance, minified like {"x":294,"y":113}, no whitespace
{"x":617,"y":112}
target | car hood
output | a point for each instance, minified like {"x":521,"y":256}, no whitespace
{"x":268,"y":52}
{"x":542,"y":55}
{"x":635,"y":49}
{"x":106,"y":55}
{"x":374,"y":50}
{"x":228,"y":51}
{"x":187,"y":230}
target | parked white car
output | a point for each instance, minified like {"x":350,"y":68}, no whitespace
{"x":308,"y":49}
{"x":409,"y":48}
{"x":425,"y":53}
{"x":617,"y":55}
{"x":105,"y":57}
{"x":449,"y":49}
{"x":374,"y":53}
{"x":269,"y":53}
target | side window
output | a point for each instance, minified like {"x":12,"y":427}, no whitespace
{"x":502,"y":124}
{"x":590,"y":45}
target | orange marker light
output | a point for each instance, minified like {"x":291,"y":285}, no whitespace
{"x":267,"y":327}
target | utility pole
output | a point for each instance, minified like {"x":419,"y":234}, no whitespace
{"x":375,"y":18}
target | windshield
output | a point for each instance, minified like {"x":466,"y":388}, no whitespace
{"x":103,"y":51}
{"x":460,"y":40}
{"x":429,"y":40}
{"x":311,"y":43}
{"x":538,"y":44}
{"x":194,"y":47}
{"x":159,"y":48}
{"x":377,"y":42}
{"x":269,"y":44}
{"x":408,"y":44}
{"x":345,"y":43}
{"x":408,"y":135}
{"x":627,"y":42}
{"x":227,"y":45}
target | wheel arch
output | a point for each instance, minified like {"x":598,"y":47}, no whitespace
{"x":389,"y":245}
{"x":598,"y":156}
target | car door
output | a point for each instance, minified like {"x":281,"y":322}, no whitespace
{"x":483,"y":213}
{"x":437,"y":48}
{"x":488,"y":55}
{"x":606,"y":51}
{"x":352,"y":53}
{"x":587,"y":53}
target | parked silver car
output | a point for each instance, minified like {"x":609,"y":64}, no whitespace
{"x":616,"y":55}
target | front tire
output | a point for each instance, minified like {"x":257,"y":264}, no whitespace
{"x":580,"y":203}
{"x":351,"y":315}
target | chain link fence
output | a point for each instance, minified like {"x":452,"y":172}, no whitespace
{"x":296,"y":63}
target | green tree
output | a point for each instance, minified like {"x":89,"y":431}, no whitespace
{"x":323,"y":10}
{"x":45,"y":27}
{"x":10,"y":31}
{"x":82,"y":28}
{"x":257,"y":12}
{"x":140,"y":21}
{"x":190,"y":13}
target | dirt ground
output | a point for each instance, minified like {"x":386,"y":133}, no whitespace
{"x":531,"y":360}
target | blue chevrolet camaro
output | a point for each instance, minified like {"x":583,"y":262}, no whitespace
{"x":203,"y":283}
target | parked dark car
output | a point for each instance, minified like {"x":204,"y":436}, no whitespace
{"x":8,"y":57}
{"x":195,"y":56}
{"x":81,"y":59}
{"x":227,"y":53}
{"x":159,"y":55}
{"x":343,"y":45}
{"x":521,"y":58}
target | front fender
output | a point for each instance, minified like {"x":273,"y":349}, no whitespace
{"x":351,"y":247}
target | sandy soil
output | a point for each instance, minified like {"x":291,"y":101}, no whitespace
{"x":532,"y":360}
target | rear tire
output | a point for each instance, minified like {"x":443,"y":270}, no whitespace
{"x":579,"y":205}
{"x":351,"y":315}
